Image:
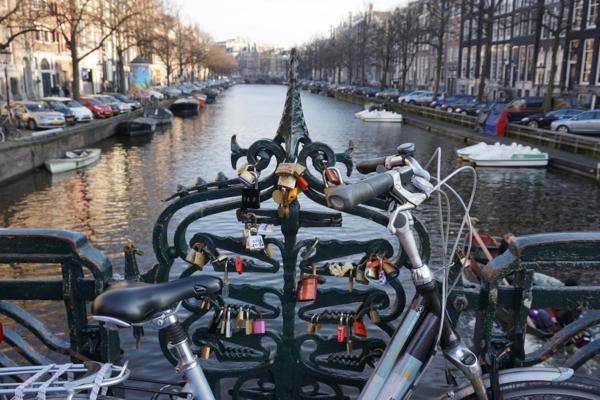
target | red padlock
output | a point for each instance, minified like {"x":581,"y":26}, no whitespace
{"x":360,"y":329}
{"x":301,"y":184}
{"x":239,"y":265}
{"x":341,"y":331}
{"x":307,"y":286}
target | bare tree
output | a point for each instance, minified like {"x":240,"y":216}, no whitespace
{"x":20,"y":17}
{"x":409,"y":39}
{"x":554,"y":21}
{"x":385,"y":42}
{"x":220,"y":61}
{"x":84,"y":27}
{"x":364,"y":33}
{"x":437,"y":14}
{"x":164,"y":42}
{"x":199,"y":49}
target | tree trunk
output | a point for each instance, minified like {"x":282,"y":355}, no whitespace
{"x":555,"y":44}
{"x":75,"y":68}
{"x":438,"y":66}
{"x":121,"y":68}
{"x":489,"y":27}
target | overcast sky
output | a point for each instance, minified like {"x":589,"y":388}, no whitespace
{"x":282,"y":22}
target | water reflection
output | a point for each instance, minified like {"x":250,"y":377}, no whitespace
{"x":121,"y":196}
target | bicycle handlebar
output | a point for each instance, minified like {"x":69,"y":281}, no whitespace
{"x":344,"y":198}
{"x":368,"y":166}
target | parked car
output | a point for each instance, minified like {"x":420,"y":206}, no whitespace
{"x":586,"y":122}
{"x":183,"y":89}
{"x":123,"y":107}
{"x":394,"y":98}
{"x":169,"y":92}
{"x":36,"y":115}
{"x":385,"y":95}
{"x":116,"y":110}
{"x":82,"y":113}
{"x":528,"y":106}
{"x":422,"y":98}
{"x":402,"y":99}
{"x":155,"y":94}
{"x":55,"y":105}
{"x":450,"y":106}
{"x":543,"y":121}
{"x":474,"y":109}
{"x":370,"y":91}
{"x":437,"y":104}
{"x":97,"y":107}
{"x":135,"y":105}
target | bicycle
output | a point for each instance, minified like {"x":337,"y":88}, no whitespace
{"x":424,"y":325}
{"x":8,"y":130}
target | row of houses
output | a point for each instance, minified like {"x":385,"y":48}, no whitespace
{"x":519,"y":50}
{"x":256,"y":59}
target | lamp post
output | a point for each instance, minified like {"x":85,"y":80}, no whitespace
{"x":4,"y":59}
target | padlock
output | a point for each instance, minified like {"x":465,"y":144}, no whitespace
{"x":374,"y":315}
{"x":351,"y":281}
{"x":382,"y":278}
{"x":307,"y":286}
{"x":389,"y":268}
{"x":373,"y":273}
{"x":258,"y":327}
{"x":228,"y":332}
{"x":214,"y":322}
{"x":299,"y":170}
{"x":239,"y":320}
{"x":191,"y":256}
{"x":286,"y":169}
{"x":248,"y":323}
{"x":292,"y":194}
{"x":360,"y":329}
{"x":287,"y":181}
{"x":333,"y":175}
{"x":301,"y":184}
{"x":327,"y":188}
{"x":224,"y":320}
{"x":311,"y":326}
{"x":341,"y":330}
{"x":310,"y":251}
{"x":251,"y":195}
{"x":317,"y":324}
{"x":360,"y":275}
{"x":205,"y":351}
{"x":239,"y":265}
{"x":200,"y":260}
{"x":248,"y":178}
{"x":265,"y":229}
{"x":278,"y":196}
{"x":205,"y":303}
{"x":255,"y":242}
{"x":349,"y":342}
{"x":269,"y":251}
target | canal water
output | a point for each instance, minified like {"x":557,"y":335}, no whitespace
{"x":120,"y":197}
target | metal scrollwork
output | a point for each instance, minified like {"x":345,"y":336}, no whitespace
{"x":276,"y":358}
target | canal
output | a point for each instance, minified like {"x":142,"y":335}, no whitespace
{"x":120,"y":197}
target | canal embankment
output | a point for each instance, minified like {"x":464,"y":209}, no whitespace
{"x":574,"y":153}
{"x":22,"y":156}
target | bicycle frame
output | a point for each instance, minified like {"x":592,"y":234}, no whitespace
{"x":413,"y":344}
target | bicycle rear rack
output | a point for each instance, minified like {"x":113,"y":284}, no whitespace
{"x":45,"y":379}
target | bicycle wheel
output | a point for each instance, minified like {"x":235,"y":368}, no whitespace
{"x":576,"y":387}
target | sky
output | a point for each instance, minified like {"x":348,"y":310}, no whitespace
{"x":284,"y":23}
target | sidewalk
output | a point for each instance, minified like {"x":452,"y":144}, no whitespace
{"x":561,"y":159}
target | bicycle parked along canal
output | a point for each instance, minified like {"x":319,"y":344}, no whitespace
{"x":8,"y":129}
{"x":425,"y":325}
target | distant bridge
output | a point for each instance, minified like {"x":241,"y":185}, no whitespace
{"x":259,"y":80}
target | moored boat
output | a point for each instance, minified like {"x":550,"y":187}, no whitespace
{"x":381,"y":116}
{"x":201,"y":99}
{"x":185,"y":107}
{"x":72,"y":160}
{"x":137,"y":127}
{"x":159,"y":114}
{"x":510,"y":157}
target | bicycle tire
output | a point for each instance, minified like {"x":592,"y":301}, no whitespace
{"x":579,"y":387}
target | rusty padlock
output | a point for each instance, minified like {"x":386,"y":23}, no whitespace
{"x":307,"y":286}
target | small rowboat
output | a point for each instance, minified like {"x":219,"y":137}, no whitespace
{"x":159,"y":114}
{"x":137,"y":127}
{"x":73,"y":160}
{"x":185,"y":107}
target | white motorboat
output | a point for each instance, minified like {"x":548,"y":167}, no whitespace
{"x":360,"y":114}
{"x":381,"y":116}
{"x":481,"y":148}
{"x":511,"y":157}
{"x":73,"y":160}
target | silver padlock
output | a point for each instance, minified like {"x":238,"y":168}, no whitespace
{"x":254,"y":242}
{"x":228,"y":324}
{"x":265,"y":229}
{"x":248,"y":178}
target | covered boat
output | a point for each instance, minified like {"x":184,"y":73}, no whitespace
{"x":381,"y":116}
{"x":137,"y":127}
{"x":73,"y":160}
{"x":211,"y":95}
{"x":185,"y":107}
{"x":159,"y":114}
{"x":201,"y":98}
{"x":510,"y":157}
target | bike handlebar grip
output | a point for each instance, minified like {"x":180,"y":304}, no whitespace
{"x":368,"y":166}
{"x":344,"y":198}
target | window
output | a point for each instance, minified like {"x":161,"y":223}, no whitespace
{"x":592,"y":17}
{"x":493,"y":72}
{"x":465,"y":56}
{"x":524,"y":24}
{"x":530,"y":66}
{"x":577,"y":14}
{"x":517,"y":104}
{"x":38,"y":36}
{"x":472,"y":62}
{"x":535,"y":103}
{"x":508,"y":27}
{"x":466,"y":29}
{"x":517,"y":25}
{"x":35,"y":4}
{"x":46,"y":36}
{"x":586,"y":116}
{"x":532,"y":18}
{"x":586,"y":67}
{"x":545,"y":22}
{"x":522,"y":63}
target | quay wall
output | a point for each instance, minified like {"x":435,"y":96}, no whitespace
{"x":23,"y":156}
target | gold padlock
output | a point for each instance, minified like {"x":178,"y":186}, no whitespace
{"x":248,"y":323}
{"x":286,"y":169}
{"x":299,"y":170}
{"x":360,"y":275}
{"x":287,"y":181}
{"x":373,"y":273}
{"x":269,"y":250}
{"x":205,"y":351}
{"x":278,"y":196}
